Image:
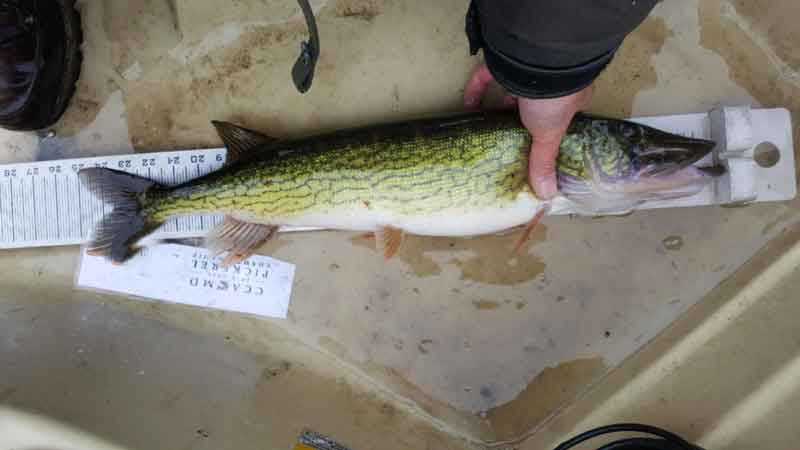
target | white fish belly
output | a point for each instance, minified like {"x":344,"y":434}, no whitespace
{"x":467,"y":222}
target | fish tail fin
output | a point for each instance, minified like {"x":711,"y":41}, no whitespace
{"x":124,"y":225}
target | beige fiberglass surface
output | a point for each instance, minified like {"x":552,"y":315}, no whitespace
{"x":455,"y":341}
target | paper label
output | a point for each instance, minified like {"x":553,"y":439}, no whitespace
{"x":175,"y":273}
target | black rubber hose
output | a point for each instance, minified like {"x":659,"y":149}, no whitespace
{"x":665,"y":440}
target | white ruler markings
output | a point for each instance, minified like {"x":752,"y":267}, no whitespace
{"x":44,"y":204}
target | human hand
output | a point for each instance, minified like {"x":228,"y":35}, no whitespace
{"x":547,"y":121}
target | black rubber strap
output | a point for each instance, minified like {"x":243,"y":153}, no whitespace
{"x":303,"y":70}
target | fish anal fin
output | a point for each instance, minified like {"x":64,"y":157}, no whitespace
{"x":232,"y":259}
{"x":239,"y":239}
{"x":239,"y":140}
{"x":388,"y":240}
{"x":529,"y":228}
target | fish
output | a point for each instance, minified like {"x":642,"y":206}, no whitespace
{"x":455,"y":175}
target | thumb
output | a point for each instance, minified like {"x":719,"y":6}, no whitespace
{"x":542,"y":166}
{"x":477,"y":86}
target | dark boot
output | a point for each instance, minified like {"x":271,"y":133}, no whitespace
{"x":40,"y":61}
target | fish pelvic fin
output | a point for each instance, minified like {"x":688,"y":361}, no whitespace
{"x":388,"y":240}
{"x":238,"y":239}
{"x":530,"y":227}
{"x":114,"y":235}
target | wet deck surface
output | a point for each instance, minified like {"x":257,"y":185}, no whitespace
{"x":490,"y":342}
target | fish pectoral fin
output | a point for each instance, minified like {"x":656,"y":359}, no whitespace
{"x":388,"y":240}
{"x":238,"y":140}
{"x":238,"y":239}
{"x":528,"y":230}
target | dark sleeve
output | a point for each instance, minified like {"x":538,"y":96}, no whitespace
{"x":550,"y":48}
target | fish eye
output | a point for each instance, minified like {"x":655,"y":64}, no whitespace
{"x":631,"y":131}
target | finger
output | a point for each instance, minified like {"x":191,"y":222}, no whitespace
{"x":509,"y":100}
{"x":476,"y":86}
{"x":542,"y":167}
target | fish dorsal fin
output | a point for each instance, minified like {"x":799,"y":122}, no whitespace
{"x":238,"y":140}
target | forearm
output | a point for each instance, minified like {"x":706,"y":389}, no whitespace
{"x":547,"y":48}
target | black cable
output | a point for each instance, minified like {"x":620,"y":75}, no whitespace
{"x":640,"y":444}
{"x":665,"y":441}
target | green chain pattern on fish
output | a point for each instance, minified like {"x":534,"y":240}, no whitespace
{"x":581,"y":141}
{"x":452,"y":176}
{"x":456,"y":168}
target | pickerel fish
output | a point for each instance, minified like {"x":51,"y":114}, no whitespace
{"x":461,"y":175}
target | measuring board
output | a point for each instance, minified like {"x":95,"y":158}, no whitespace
{"x":44,"y":204}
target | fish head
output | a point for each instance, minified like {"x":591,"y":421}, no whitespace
{"x":609,"y":166}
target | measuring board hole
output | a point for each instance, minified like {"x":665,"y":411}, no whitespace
{"x":767,"y":154}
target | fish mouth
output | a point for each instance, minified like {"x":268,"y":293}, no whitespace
{"x":668,"y":153}
{"x":665,"y":172}
{"x":664,"y":169}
